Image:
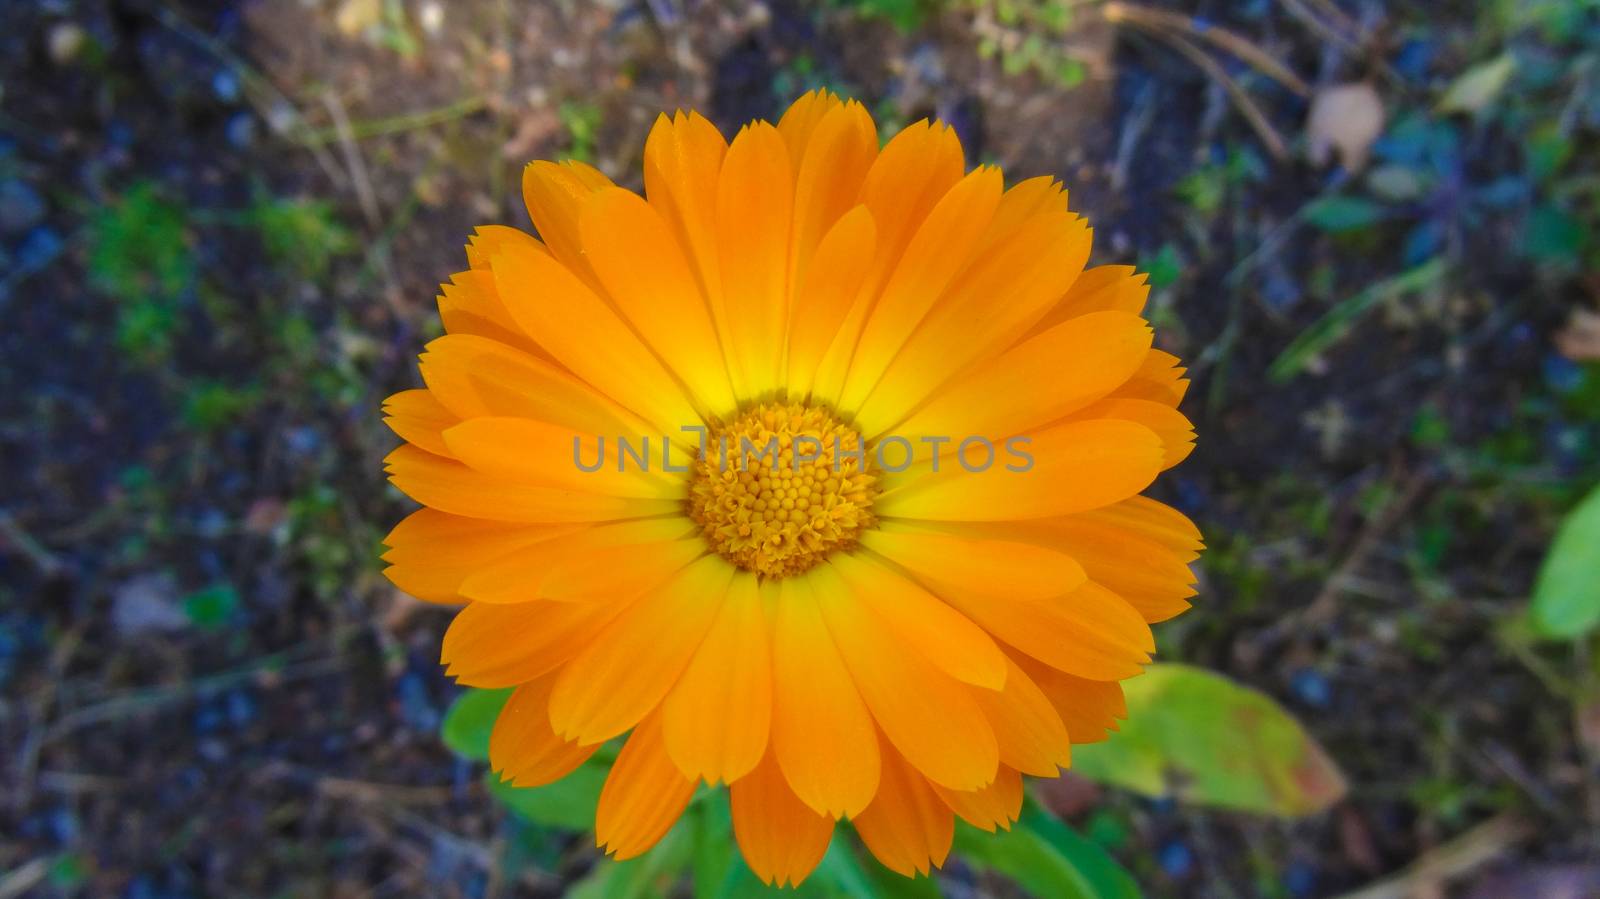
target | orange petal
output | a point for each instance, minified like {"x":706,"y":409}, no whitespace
{"x":755,"y":203}
{"x":473,"y":377}
{"x":487,"y":240}
{"x":907,"y":827}
{"x":1153,"y":577}
{"x":611,"y":561}
{"x":507,"y":646}
{"x":1090,"y":632}
{"x":996,"y":806}
{"x":1021,"y":202}
{"x":524,"y":451}
{"x":1106,"y":287}
{"x":627,"y":669}
{"x":931,"y":718}
{"x":1089,"y":708}
{"x":643,"y":269}
{"x":912,"y":173}
{"x":1155,"y":520}
{"x":944,"y":636}
{"x":1175,"y":431}
{"x":431,"y":553}
{"x":554,"y":193}
{"x":1075,"y":467}
{"x":831,"y":161}
{"x":451,"y":487}
{"x":914,"y":170}
{"x":419,"y":418}
{"x":822,"y":735}
{"x":781,"y":838}
{"x":470,"y":304}
{"x":1160,"y":378}
{"x":1029,"y":268}
{"x":975,"y":565}
{"x":1038,"y":381}
{"x":523,"y":749}
{"x":826,"y":294}
{"x":939,"y":250}
{"x":682,"y":161}
{"x":1032,"y":737}
{"x":716,"y":720}
{"x":799,"y":121}
{"x":587,"y":337}
{"x":643,"y":796}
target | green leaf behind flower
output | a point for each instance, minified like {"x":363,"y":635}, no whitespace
{"x":470,"y":720}
{"x":1200,"y":737}
{"x":1566,"y":595}
{"x":1048,"y":859}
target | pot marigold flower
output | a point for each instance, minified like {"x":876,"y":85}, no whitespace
{"x":815,"y":471}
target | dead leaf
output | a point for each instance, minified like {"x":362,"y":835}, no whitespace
{"x":148,"y":604}
{"x":1571,"y":881}
{"x":1069,"y":795}
{"x":1478,"y":86}
{"x":1588,"y":726}
{"x":356,"y":16}
{"x":1580,"y":339}
{"x":265,"y":515}
{"x":1346,"y":118}
{"x":535,"y":128}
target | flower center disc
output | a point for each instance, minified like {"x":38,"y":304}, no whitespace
{"x":780,"y":487}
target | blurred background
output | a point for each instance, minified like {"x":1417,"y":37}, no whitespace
{"x":1372,"y":229}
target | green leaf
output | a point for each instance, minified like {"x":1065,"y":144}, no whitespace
{"x":1555,"y":236}
{"x":1566,"y":594}
{"x":1332,"y":327}
{"x":569,"y":802}
{"x":650,"y":875}
{"x":715,"y":857}
{"x":1047,"y":859}
{"x":1341,"y":214}
{"x":211,"y":607}
{"x":840,"y":870}
{"x":1396,"y":183}
{"x":1478,"y":86}
{"x":1164,"y":268}
{"x":469,"y":722}
{"x":1109,"y":879}
{"x":1548,"y":150}
{"x":1202,"y":738}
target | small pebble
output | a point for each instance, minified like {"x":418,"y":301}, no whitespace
{"x":241,"y":130}
{"x":39,"y":248}
{"x":225,"y":84}
{"x":1300,"y":879}
{"x":1562,"y":374}
{"x":241,"y":708}
{"x":64,"y":41}
{"x":303,"y":440}
{"x":415,"y":706}
{"x":208,"y":719}
{"x":1311,"y":688}
{"x":21,"y":207}
{"x":431,"y":16}
{"x":1176,"y":859}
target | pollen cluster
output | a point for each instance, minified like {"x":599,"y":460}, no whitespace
{"x":781,"y":486}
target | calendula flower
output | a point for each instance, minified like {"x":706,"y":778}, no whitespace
{"x":814,"y":471}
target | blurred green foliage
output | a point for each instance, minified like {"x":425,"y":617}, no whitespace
{"x":140,"y":258}
{"x":1205,"y":739}
{"x":302,"y":235}
{"x":1566,"y":596}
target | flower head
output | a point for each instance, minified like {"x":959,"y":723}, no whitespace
{"x":814,"y":471}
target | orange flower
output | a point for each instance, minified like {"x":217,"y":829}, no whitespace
{"x":815,"y":471}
